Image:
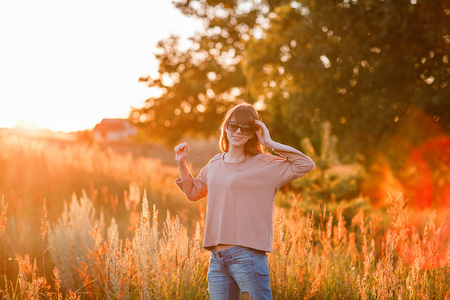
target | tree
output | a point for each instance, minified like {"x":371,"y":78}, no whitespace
{"x":200,"y":84}
{"x":363,"y":65}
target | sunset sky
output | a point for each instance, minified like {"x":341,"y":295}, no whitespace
{"x":65,"y":65}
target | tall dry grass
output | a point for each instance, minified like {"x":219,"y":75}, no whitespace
{"x":322,"y":257}
{"x":316,"y":256}
{"x":107,"y":243}
{"x":34,"y":170}
{"x":154,"y":264}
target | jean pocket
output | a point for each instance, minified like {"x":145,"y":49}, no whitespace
{"x":242,"y":257}
{"x":261,"y":264}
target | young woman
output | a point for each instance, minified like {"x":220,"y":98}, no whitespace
{"x":240,"y":184}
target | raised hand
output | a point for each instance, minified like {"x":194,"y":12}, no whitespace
{"x":181,"y":152}
{"x":263,"y":134}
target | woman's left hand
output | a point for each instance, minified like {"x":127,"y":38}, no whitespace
{"x":263,"y":135}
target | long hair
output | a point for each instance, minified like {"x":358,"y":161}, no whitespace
{"x":244,"y":114}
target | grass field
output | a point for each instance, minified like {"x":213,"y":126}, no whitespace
{"x":80,"y":221}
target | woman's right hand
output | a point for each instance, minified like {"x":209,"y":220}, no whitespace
{"x":181,"y":152}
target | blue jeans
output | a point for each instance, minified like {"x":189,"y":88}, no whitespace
{"x":237,"y":270}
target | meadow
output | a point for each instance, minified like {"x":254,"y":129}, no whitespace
{"x":83,"y":222}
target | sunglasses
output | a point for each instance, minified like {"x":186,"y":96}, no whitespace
{"x":245,"y":129}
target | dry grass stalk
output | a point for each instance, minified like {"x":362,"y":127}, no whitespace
{"x":72,"y":296}
{"x":367,"y":255}
{"x":316,"y":283}
{"x":44,"y":220}
{"x":58,"y":283}
{"x":165,"y":266}
{"x":120,"y":266}
{"x":341,"y":233}
{"x":30,"y":283}
{"x":385,"y":280}
{"x":3,"y":218}
{"x":71,"y":237}
{"x":447,"y":296}
{"x":280,"y":267}
{"x":132,"y":197}
{"x":309,"y":235}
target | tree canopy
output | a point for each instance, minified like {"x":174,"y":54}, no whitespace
{"x":364,"y":66}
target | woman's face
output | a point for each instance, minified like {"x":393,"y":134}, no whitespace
{"x":237,"y":138}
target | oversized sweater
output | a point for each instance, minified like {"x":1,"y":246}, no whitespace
{"x":240,"y":196}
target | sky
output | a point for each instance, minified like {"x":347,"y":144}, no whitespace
{"x":66,"y":65}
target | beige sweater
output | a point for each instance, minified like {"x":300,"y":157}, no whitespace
{"x":240,"y":196}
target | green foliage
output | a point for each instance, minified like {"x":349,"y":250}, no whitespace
{"x":333,"y":184}
{"x":331,"y":178}
{"x":201,"y":83}
{"x":361,"y":65}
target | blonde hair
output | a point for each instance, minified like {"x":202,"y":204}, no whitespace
{"x":244,"y":114}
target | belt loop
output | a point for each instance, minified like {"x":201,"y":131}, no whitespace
{"x":216,"y":254}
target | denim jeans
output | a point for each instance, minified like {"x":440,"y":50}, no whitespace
{"x":237,"y":270}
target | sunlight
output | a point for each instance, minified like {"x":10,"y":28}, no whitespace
{"x":26,"y":124}
{"x":65,"y":75}
{"x":7,"y":121}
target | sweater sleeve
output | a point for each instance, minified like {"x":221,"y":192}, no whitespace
{"x":293,"y":166}
{"x":194,"y":189}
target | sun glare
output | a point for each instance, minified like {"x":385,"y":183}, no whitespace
{"x":7,"y":121}
{"x":26,"y":123}
{"x":73,"y":115}
{"x":76,"y":74}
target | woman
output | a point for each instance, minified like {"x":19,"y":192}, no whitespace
{"x":240,"y":184}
